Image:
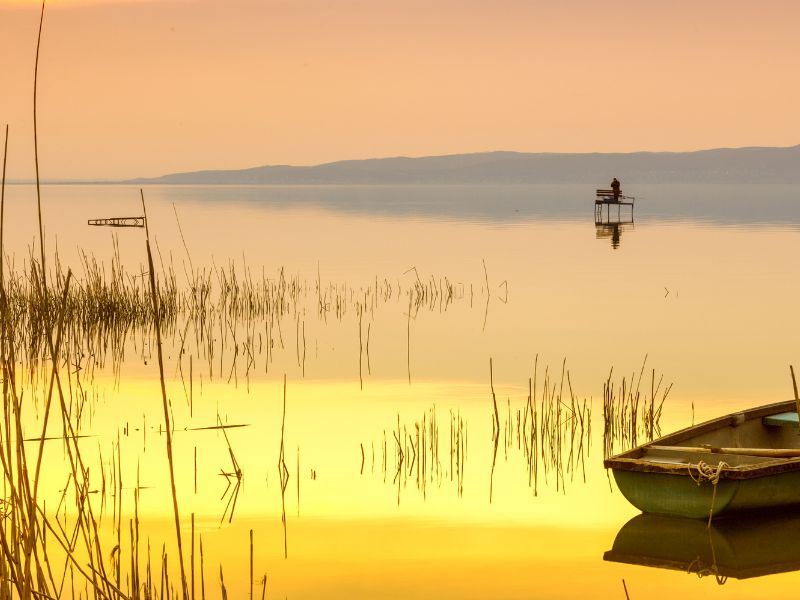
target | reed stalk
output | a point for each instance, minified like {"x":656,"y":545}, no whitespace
{"x":192,"y":563}
{"x":36,"y":146}
{"x":3,"y":209}
{"x":251,"y":564}
{"x":167,"y":423}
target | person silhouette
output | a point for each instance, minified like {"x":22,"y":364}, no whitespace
{"x":615,"y":188}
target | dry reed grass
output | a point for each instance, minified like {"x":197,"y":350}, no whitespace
{"x":630,"y":416}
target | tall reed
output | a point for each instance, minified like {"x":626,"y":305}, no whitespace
{"x":167,"y":424}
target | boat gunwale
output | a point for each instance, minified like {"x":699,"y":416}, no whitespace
{"x":632,"y":460}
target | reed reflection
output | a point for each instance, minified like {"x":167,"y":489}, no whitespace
{"x":283,"y":472}
{"x":222,"y":322}
{"x":553,"y":433}
{"x":417,"y":456}
{"x":233,"y":479}
{"x":545,"y":441}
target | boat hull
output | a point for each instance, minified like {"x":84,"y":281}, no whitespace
{"x":675,"y":495}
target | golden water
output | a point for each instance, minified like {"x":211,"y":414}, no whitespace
{"x":711,"y":304}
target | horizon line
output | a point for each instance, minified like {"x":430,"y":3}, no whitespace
{"x":148,"y":180}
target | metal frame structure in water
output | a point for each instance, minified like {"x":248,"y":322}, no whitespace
{"x":607,"y":198}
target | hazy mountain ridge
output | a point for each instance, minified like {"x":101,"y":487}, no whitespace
{"x":723,"y":165}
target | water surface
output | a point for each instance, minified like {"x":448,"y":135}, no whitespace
{"x":702,"y":286}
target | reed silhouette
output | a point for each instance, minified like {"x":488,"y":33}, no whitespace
{"x":629,"y":414}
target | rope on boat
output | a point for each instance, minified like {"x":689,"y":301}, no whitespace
{"x":706,"y":472}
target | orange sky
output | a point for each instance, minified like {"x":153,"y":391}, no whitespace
{"x":130,"y":88}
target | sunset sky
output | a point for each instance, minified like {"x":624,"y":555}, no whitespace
{"x":143,"y":88}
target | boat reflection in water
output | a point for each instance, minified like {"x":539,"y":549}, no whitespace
{"x":741,"y":547}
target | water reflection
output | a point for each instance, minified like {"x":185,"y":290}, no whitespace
{"x":546,"y":440}
{"x":708,"y":203}
{"x":417,"y":457}
{"x":741,"y":547}
{"x":283,"y":472}
{"x":237,"y":326}
{"x":613,"y":231}
{"x":233,"y":479}
{"x":610,"y":225}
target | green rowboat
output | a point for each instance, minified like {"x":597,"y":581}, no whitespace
{"x":745,"y":461}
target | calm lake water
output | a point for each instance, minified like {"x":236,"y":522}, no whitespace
{"x":701,"y":290}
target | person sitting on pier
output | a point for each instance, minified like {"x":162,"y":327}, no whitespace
{"x":615,"y":189}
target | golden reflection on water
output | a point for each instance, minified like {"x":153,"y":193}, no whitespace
{"x":712,"y":307}
{"x":329,"y":422}
{"x":402,"y":558}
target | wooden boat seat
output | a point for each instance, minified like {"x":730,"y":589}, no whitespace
{"x":678,"y":455}
{"x":607,"y":197}
{"x":785,"y":419}
{"x":668,"y":460}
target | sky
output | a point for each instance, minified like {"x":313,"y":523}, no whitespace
{"x":133,"y":88}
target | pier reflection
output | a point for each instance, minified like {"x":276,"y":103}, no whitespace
{"x":613,"y":229}
{"x":610,"y":223}
{"x":741,"y":547}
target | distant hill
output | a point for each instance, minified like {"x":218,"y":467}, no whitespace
{"x":724,"y":165}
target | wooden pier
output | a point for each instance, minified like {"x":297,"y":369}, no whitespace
{"x":607,"y":199}
{"x":118,"y":222}
{"x":608,"y":224}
